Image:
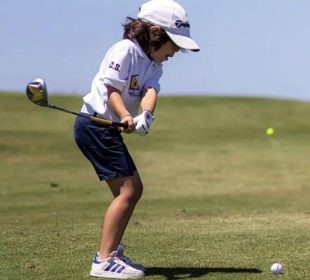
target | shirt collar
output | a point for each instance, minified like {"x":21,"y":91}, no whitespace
{"x":140,"y":50}
{"x":143,"y":54}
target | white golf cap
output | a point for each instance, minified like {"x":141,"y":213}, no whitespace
{"x":170,"y":16}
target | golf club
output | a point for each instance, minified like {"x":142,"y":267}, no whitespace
{"x":36,"y":91}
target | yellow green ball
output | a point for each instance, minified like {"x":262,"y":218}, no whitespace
{"x":269,"y":131}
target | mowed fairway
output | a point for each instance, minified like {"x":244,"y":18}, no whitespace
{"x":222,"y":200}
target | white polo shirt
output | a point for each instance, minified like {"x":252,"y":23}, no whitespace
{"x":127,"y":68}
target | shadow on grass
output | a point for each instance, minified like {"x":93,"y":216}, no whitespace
{"x":172,"y":273}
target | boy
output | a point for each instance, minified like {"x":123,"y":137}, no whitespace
{"x":128,"y":81}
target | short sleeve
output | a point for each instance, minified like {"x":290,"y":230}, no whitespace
{"x":153,"y":81}
{"x":116,"y":66}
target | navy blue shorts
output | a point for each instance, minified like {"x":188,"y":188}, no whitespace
{"x":105,"y":149}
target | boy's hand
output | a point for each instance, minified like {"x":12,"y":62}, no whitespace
{"x":131,"y":125}
{"x":143,"y":122}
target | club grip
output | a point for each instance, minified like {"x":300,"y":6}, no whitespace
{"x":108,"y":122}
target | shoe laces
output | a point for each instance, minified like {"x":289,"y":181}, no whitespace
{"x":120,"y":254}
{"x":120,"y":250}
{"x":114,"y":255}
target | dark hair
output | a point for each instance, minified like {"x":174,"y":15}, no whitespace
{"x":135,"y":29}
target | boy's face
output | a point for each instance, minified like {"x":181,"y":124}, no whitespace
{"x":164,"y":52}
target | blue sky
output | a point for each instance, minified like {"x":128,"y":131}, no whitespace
{"x":248,"y":47}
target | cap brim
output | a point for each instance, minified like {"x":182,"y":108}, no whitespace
{"x":184,"y":42}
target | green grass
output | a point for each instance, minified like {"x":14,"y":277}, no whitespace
{"x":222,"y":200}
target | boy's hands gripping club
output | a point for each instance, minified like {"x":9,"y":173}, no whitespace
{"x":128,"y":120}
{"x":143,"y":122}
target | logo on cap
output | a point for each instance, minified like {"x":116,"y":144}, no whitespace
{"x":179,"y":23}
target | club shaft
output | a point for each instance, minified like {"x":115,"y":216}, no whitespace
{"x":93,"y":118}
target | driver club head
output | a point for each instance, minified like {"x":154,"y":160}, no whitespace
{"x":36,"y":91}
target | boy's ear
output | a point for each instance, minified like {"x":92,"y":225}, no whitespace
{"x":154,"y":32}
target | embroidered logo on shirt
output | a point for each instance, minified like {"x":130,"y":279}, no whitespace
{"x":134,"y":87}
{"x":115,"y":66}
{"x":134,"y":83}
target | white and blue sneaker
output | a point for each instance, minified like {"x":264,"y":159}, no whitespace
{"x":120,"y":253}
{"x":114,"y":267}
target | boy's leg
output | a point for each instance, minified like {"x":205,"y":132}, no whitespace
{"x":127,"y":192}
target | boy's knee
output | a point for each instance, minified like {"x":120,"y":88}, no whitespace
{"x":131,"y":191}
{"x":138,"y":191}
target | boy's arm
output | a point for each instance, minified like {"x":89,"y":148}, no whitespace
{"x":144,"y":120}
{"x":118,"y":106}
{"x":148,"y":102}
